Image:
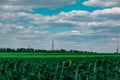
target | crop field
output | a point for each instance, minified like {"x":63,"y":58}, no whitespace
{"x":55,"y":55}
{"x":34,"y":66}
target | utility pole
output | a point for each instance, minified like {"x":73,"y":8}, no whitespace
{"x":52,"y":45}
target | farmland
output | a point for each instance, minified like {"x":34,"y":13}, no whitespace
{"x":44,"y":66}
{"x":55,"y":55}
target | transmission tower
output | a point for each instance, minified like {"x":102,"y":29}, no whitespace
{"x":52,"y":45}
{"x":117,"y":50}
{"x":90,"y":49}
{"x":29,"y":46}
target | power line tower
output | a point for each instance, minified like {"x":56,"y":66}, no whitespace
{"x":52,"y":45}
{"x":117,"y":50}
{"x":90,"y":49}
{"x":29,"y":46}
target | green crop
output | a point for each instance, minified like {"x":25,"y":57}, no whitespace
{"x":60,"y":69}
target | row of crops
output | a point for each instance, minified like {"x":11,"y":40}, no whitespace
{"x":60,"y":69}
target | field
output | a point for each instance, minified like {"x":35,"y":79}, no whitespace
{"x":55,"y":55}
{"x":36,"y":66}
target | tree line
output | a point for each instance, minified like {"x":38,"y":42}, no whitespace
{"x":31,"y":50}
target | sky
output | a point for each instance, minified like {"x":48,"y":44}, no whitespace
{"x":73,"y":24}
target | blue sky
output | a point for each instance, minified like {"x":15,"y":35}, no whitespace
{"x":67,"y":8}
{"x":73,"y":24}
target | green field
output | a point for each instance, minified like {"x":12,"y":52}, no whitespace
{"x":55,"y":55}
{"x":54,"y":66}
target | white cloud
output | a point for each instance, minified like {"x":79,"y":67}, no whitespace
{"x":73,"y":32}
{"x":116,"y":39}
{"x":95,"y":28}
{"x":110,"y":11}
{"x":11,"y":7}
{"x":79,"y":19}
{"x":82,"y":20}
{"x":102,"y":3}
{"x":27,"y":4}
{"x":73,"y":13}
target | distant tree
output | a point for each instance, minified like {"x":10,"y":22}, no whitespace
{"x":62,"y":50}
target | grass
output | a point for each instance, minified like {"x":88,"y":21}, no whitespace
{"x":54,"y":55}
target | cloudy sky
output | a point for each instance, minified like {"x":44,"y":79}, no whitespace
{"x":73,"y":24}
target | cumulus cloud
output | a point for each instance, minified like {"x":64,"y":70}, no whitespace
{"x":81,"y":20}
{"x":102,"y":3}
{"x":79,"y":27}
{"x":27,"y":4}
{"x":111,"y":11}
